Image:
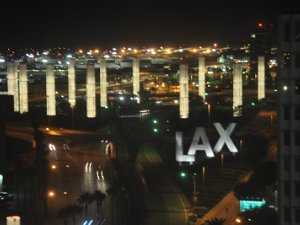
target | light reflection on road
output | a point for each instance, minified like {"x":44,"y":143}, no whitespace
{"x":73,"y":173}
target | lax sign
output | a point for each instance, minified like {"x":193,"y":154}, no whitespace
{"x":200,"y":134}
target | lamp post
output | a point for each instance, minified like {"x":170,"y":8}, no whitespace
{"x":271,"y":120}
{"x":203,"y":177}
{"x":208,"y":111}
{"x":183,"y":174}
{"x":222,"y":163}
{"x":241,"y":148}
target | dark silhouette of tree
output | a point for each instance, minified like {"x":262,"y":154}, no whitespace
{"x":112,"y":192}
{"x":85,"y":199}
{"x":99,"y":197}
{"x":38,"y":141}
{"x":74,"y":210}
{"x":215,"y":221}
{"x":64,"y":213}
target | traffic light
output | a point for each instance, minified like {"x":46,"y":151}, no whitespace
{"x":182,"y":174}
{"x":155,"y":123}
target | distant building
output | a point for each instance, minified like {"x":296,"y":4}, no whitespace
{"x":260,"y":44}
{"x":289,"y":119}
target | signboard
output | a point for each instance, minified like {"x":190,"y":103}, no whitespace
{"x":200,"y":134}
{"x":247,"y":205}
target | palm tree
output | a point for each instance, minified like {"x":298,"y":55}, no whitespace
{"x":64,"y":213}
{"x":99,"y":197}
{"x":112,"y":191}
{"x":85,"y":199}
{"x":215,"y":221}
{"x":74,"y":210}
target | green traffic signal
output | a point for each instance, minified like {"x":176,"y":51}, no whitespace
{"x":155,"y":121}
{"x":155,"y":130}
{"x":183,"y":174}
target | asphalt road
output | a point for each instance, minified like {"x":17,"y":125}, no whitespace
{"x":166,"y":204}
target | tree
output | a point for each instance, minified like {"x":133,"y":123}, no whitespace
{"x":215,"y":221}
{"x":85,"y":199}
{"x":64,"y":213}
{"x":99,"y":197}
{"x":112,"y":191}
{"x":74,"y":210}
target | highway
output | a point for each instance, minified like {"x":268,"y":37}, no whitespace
{"x":77,"y":170}
{"x":82,"y":168}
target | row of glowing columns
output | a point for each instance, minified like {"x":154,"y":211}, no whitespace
{"x":18,"y":86}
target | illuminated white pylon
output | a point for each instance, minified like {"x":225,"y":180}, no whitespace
{"x":136,"y":77}
{"x":237,"y":89}
{"x":13,"y":220}
{"x":201,"y":77}
{"x":50,"y":90}
{"x":71,"y":83}
{"x":103,"y":83}
{"x":90,"y":92}
{"x":184,"y":91}
{"x":10,"y":78}
{"x":261,"y":78}
{"x":16,"y":96}
{"x":23,"y":88}
{"x":13,"y":83}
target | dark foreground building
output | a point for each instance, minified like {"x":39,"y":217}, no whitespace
{"x":289,"y":119}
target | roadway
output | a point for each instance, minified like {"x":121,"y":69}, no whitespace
{"x":166,"y":204}
{"x":82,"y":168}
{"x":79,"y":170}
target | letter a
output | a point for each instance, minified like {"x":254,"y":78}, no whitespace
{"x":195,"y":146}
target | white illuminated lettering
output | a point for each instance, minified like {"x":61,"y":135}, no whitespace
{"x":225,"y":137}
{"x":180,"y":157}
{"x":200,"y":134}
{"x":195,"y":146}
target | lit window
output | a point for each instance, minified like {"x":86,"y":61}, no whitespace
{"x":286,"y":59}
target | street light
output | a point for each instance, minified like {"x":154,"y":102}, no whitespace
{"x":184,"y":174}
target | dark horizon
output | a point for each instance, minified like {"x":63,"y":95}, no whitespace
{"x":41,"y":25}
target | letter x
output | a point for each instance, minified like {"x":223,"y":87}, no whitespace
{"x":225,"y":137}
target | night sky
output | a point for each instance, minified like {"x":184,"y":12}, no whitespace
{"x":106,"y":24}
